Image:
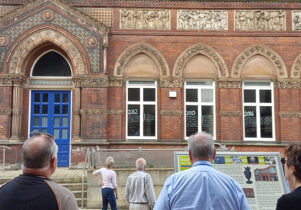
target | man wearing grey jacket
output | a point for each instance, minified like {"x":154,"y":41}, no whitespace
{"x":139,"y":190}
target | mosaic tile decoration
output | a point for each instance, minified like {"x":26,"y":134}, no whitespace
{"x":94,"y":54}
{"x":104,"y":16}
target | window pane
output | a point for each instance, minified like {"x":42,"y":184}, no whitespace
{"x":250,"y":121}
{"x":44,"y":121}
{"x":266,"y":124}
{"x":57,"y":98}
{"x":249,"y":96}
{"x":45,"y":97}
{"x":37,"y":97}
{"x":44,"y":130}
{"x":56,"y":121}
{"x":207,"y":95}
{"x":36,"y":109}
{"x":133,"y":94}
{"x":45,"y":109}
{"x":65,"y":109}
{"x":64,"y":133}
{"x":149,"y":120}
{"x":65,"y":98}
{"x":65,"y":121}
{"x":149,"y":94}
{"x":265,"y":96}
{"x":133,"y":120}
{"x":207,"y":119}
{"x":57,"y":109}
{"x":191,"y":95}
{"x":56,"y":133}
{"x":191,"y":120}
{"x":36,"y":121}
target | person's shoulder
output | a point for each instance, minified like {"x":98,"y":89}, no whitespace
{"x":57,"y":187}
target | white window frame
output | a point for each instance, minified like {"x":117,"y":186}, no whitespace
{"x":141,"y":85}
{"x":257,"y":86}
{"x":199,"y":85}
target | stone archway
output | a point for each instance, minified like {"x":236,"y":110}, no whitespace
{"x":264,"y":51}
{"x":141,"y":48}
{"x":23,"y":47}
{"x":204,"y":50}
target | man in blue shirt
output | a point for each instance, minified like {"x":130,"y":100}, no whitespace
{"x":202,"y":186}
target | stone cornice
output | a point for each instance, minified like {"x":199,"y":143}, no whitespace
{"x":170,"y":112}
{"x":230,"y":113}
{"x":229,"y":83}
{"x":101,"y":111}
{"x":289,"y":84}
{"x":85,"y":81}
{"x":290,"y":114}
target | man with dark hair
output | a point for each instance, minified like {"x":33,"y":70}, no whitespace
{"x":202,"y":186}
{"x":33,"y":190}
{"x":292,"y":168}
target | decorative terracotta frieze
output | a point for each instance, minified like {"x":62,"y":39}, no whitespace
{"x":290,"y":114}
{"x":90,"y":81}
{"x":229,"y":84}
{"x":5,"y":111}
{"x":165,"y":83}
{"x":230,"y":113}
{"x":101,"y":111}
{"x":171,"y":112}
{"x":289,"y":84}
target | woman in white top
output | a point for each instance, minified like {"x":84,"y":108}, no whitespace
{"x":109,"y":184}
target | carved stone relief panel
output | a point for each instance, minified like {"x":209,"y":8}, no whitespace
{"x":202,"y":20}
{"x":150,"y":19}
{"x":259,"y":20}
{"x":296,"y":20}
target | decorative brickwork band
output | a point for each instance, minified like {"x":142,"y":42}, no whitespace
{"x":202,"y":20}
{"x":290,"y":114}
{"x":202,"y":49}
{"x":289,"y":84}
{"x":150,"y":19}
{"x":171,"y":83}
{"x":101,"y":111}
{"x":170,"y":112}
{"x":259,"y":20}
{"x":90,"y":81}
{"x":229,"y":84}
{"x":5,"y":111}
{"x":266,"y":52}
{"x":135,"y":50}
{"x":230,"y":113}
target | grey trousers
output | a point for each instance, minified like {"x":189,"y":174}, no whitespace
{"x":135,"y":206}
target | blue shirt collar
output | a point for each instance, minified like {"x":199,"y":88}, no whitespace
{"x":202,"y":162}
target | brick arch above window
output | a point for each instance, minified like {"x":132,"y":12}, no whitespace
{"x":138,"y":52}
{"x":27,"y":44}
{"x":207,"y":53}
{"x":254,"y":52}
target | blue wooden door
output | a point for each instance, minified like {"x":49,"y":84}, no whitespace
{"x":50,"y":113}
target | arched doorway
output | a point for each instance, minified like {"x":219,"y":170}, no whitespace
{"x":50,"y":109}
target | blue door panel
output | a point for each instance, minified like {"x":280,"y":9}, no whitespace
{"x":50,"y":112}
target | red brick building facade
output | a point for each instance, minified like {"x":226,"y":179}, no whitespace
{"x":123,"y":74}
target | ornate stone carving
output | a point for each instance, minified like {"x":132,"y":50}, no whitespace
{"x":202,"y":20}
{"x":26,"y":45}
{"x":202,"y":49}
{"x":141,"y":48}
{"x":171,"y":112}
{"x":90,"y":81}
{"x":47,"y":15}
{"x":5,"y":111}
{"x":296,"y":20}
{"x":289,"y":84}
{"x":3,"y":40}
{"x":229,"y":84}
{"x":18,"y":80}
{"x":91,"y":42}
{"x":150,"y":19}
{"x":116,"y":82}
{"x":230,"y":113}
{"x":5,"y":81}
{"x":101,"y":111}
{"x":258,"y":49}
{"x":290,"y":114}
{"x":296,"y":68}
{"x":171,"y":83}
{"x":259,"y":20}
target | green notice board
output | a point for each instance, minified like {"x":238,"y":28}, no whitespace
{"x":260,"y":174}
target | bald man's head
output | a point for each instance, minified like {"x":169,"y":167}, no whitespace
{"x":38,"y":151}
